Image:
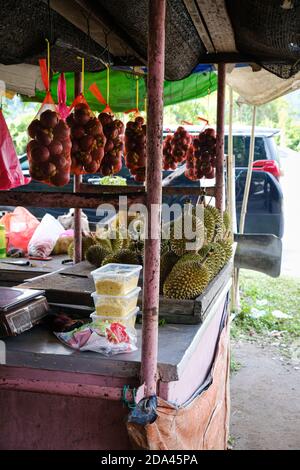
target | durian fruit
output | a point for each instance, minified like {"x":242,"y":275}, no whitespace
{"x":116,"y":240}
{"x":209,"y":224}
{"x":214,"y":259}
{"x":86,"y":243}
{"x":125,"y":256}
{"x":167,"y":262}
{"x":186,"y":281}
{"x":96,"y":254}
{"x":104,"y":243}
{"x":190,"y":257}
{"x":227,"y":247}
{"x":218,"y":231}
{"x":164,"y":247}
{"x":179,"y":242}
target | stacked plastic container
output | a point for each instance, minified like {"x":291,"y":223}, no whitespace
{"x":116,"y":296}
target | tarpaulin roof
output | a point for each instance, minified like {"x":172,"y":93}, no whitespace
{"x":123,"y":89}
{"x":260,"y":87}
{"x":197,"y":31}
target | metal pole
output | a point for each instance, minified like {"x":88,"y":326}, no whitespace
{"x":77,"y":181}
{"x":231,"y":168}
{"x":249,"y":174}
{"x":245,"y":200}
{"x":156,"y":63}
{"x":220,"y":135}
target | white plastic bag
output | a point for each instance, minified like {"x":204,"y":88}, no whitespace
{"x":45,"y":237}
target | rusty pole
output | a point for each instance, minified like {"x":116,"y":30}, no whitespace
{"x":77,"y":180}
{"x":156,"y":63}
{"x":220,"y":135}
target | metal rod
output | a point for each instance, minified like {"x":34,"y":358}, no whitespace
{"x":245,"y":202}
{"x":78,"y":88}
{"x":64,"y":389}
{"x":220,"y":136}
{"x":156,"y":63}
{"x":231,"y":168}
{"x":249,"y":174}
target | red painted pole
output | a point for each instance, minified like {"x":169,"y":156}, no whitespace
{"x":156,"y":64}
{"x":220,"y":135}
{"x":77,"y":180}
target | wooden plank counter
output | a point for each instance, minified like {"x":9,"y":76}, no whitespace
{"x":56,"y":388}
{"x":11,"y":275}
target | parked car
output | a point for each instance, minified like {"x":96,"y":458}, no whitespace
{"x":265,"y":206}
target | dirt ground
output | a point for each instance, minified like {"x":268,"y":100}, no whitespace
{"x":265,"y":403}
{"x":265,"y":392}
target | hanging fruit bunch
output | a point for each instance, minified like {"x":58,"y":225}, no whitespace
{"x":201,"y":156}
{"x":168,"y":160}
{"x":88,"y":139}
{"x":49,"y":151}
{"x":135,"y":148}
{"x":113,"y":130}
{"x":175,"y":148}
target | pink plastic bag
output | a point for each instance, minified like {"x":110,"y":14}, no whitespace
{"x":10,"y":169}
{"x":19,"y":226}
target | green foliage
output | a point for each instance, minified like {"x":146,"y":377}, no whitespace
{"x":280,"y":293}
{"x":18,"y":116}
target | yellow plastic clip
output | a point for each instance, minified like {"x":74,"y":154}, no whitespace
{"x":48,"y":62}
{"x":82,"y":70}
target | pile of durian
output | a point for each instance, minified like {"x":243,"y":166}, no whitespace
{"x":186,"y":269}
{"x":184,"y":274}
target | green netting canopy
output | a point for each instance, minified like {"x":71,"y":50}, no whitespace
{"x":123,"y":89}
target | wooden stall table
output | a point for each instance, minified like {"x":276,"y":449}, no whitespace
{"x":64,"y":399}
{"x":12,"y":274}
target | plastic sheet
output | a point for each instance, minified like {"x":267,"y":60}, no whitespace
{"x":10,"y":169}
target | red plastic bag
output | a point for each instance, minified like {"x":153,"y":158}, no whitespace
{"x":20,"y":225}
{"x":10,"y":169}
{"x":87,"y":136}
{"x":49,"y":151}
{"x":63,"y":109}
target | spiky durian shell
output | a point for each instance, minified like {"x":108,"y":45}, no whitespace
{"x":218,"y":232}
{"x":178,"y":242}
{"x":227,"y":247}
{"x":186,"y":281}
{"x":167,"y":262}
{"x":209,"y":223}
{"x":189,"y":257}
{"x":215,"y":258}
{"x":96,"y":254}
{"x":105,"y":243}
{"x":125,"y":256}
{"x":86,"y":243}
{"x":227,"y":221}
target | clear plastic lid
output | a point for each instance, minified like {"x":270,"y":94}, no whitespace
{"x":114,"y":270}
{"x":99,"y":297}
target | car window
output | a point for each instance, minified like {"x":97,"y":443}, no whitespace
{"x":241,"y":145}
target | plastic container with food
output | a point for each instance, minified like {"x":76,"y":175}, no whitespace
{"x":116,"y":279}
{"x":100,"y":321}
{"x":116,"y":305}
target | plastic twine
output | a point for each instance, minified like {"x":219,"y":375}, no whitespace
{"x":107,"y":83}
{"x":129,"y":404}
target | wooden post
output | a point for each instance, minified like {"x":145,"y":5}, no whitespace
{"x":220,"y":135}
{"x":77,"y":181}
{"x":156,"y":56}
